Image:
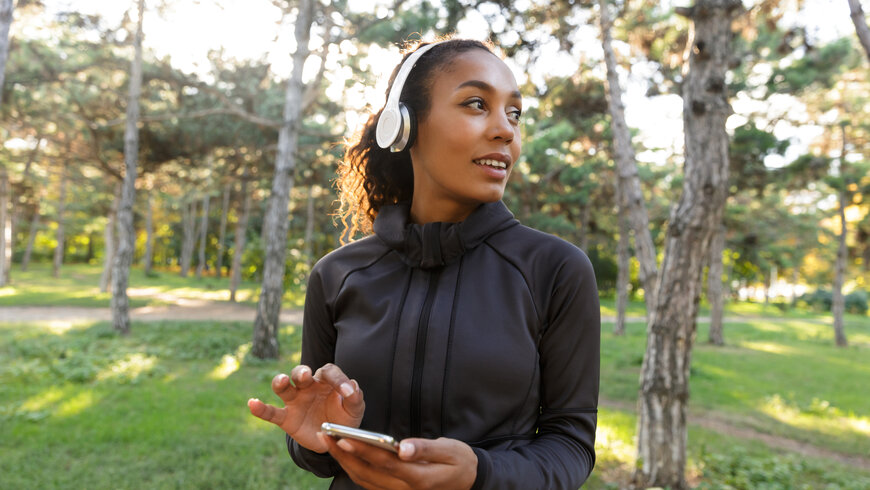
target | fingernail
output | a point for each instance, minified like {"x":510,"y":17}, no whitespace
{"x":406,"y":449}
{"x":344,"y":445}
{"x":346,"y":389}
{"x":282,"y":378}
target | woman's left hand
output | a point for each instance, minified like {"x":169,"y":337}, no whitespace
{"x":420,"y":464}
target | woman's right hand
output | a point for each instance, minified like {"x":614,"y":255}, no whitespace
{"x":326,"y":396}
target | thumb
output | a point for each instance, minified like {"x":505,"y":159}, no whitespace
{"x":441,"y":450}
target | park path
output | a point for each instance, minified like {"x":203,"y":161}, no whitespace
{"x":206,"y":310}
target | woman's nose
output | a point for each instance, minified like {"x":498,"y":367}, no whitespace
{"x":500,"y":127}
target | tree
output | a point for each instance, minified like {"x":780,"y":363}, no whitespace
{"x":126,"y":232}
{"x":664,"y":390}
{"x":5,"y":22}
{"x":860,"y":21}
{"x":631,"y":200}
{"x":265,"y":343}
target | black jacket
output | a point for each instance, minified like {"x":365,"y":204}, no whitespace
{"x":485,"y":331}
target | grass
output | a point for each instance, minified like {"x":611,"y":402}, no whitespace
{"x":78,"y":285}
{"x":163,"y":408}
{"x":81,"y":407}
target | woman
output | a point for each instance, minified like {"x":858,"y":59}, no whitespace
{"x":475,"y":339}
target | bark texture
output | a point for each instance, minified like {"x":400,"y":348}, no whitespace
{"x":240,"y":238}
{"x":110,"y":236}
{"x":203,"y":236}
{"x":714,"y":287}
{"x":5,"y":23}
{"x":222,"y":231}
{"x":838,"y":301}
{"x":860,"y":21}
{"x":631,"y":201}
{"x":265,"y":338}
{"x":623,"y":257}
{"x":188,"y":236}
{"x":126,"y":232}
{"x":5,"y":241}
{"x":31,"y":238}
{"x":148,"y":259}
{"x":61,"y":217}
{"x":664,"y":383}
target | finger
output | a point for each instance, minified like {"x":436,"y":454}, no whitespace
{"x":282,"y":387}
{"x":441,"y":450}
{"x":301,"y":376}
{"x":266,"y":412}
{"x":333,"y":376}
{"x":348,"y":454}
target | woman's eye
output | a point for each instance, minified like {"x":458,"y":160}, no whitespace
{"x":475,"y":104}
{"x":515,"y":115}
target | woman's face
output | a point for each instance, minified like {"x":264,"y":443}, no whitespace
{"x":468,"y":142}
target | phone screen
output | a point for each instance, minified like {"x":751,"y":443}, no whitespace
{"x":382,"y":441}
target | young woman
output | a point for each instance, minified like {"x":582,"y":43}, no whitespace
{"x":475,"y":339}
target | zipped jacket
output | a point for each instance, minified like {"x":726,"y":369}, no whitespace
{"x":485,"y":331}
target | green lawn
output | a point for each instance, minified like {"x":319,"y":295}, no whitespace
{"x":78,"y":285}
{"x":165,"y":407}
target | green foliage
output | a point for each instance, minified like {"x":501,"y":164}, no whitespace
{"x":822,"y":300}
{"x":819,"y":67}
{"x":737,"y":468}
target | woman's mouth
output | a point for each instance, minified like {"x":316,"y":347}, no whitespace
{"x":488,"y":162}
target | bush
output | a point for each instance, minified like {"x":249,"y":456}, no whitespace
{"x":822,"y":300}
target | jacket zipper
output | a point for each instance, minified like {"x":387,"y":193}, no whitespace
{"x":419,"y":354}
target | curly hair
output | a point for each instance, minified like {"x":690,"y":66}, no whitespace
{"x":370,"y":177}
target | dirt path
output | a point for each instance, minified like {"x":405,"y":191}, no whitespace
{"x":191,"y":310}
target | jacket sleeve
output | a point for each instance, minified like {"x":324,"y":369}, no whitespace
{"x":318,"y":348}
{"x":563,"y":452}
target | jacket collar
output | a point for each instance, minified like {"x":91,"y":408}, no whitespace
{"x":437,"y":244}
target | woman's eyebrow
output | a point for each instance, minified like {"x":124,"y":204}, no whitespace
{"x":486,"y":87}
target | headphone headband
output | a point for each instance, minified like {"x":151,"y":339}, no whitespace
{"x":394,"y":123}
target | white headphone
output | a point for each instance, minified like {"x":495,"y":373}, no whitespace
{"x":394,"y":124}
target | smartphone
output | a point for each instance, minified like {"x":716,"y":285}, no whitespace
{"x":382,"y":441}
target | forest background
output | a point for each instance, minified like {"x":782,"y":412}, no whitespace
{"x":218,"y":178}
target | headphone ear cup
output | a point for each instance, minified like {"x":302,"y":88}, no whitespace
{"x":412,"y":126}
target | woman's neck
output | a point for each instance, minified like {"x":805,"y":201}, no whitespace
{"x":426,"y":211}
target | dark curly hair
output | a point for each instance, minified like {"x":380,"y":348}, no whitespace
{"x":370,"y":176}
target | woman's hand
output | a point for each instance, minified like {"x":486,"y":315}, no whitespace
{"x":326,"y":396}
{"x":420,"y":464}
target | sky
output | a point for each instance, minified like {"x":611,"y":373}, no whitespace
{"x":248,"y":29}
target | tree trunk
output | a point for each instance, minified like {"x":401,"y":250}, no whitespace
{"x":31,"y":239}
{"x":222,"y":231}
{"x":622,"y":274}
{"x":19,"y":204}
{"x":838,"y":301}
{"x":240,"y":238}
{"x":203,"y":236}
{"x":5,"y":242}
{"x":61,"y":212}
{"x":631,"y":201}
{"x":860,"y":21}
{"x":110,"y":235}
{"x":664,"y":383}
{"x":309,"y":229}
{"x":188,"y":236}
{"x":126,"y":232}
{"x":265,"y":339}
{"x":714,"y":286}
{"x":148,"y":259}
{"x":5,"y":23}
